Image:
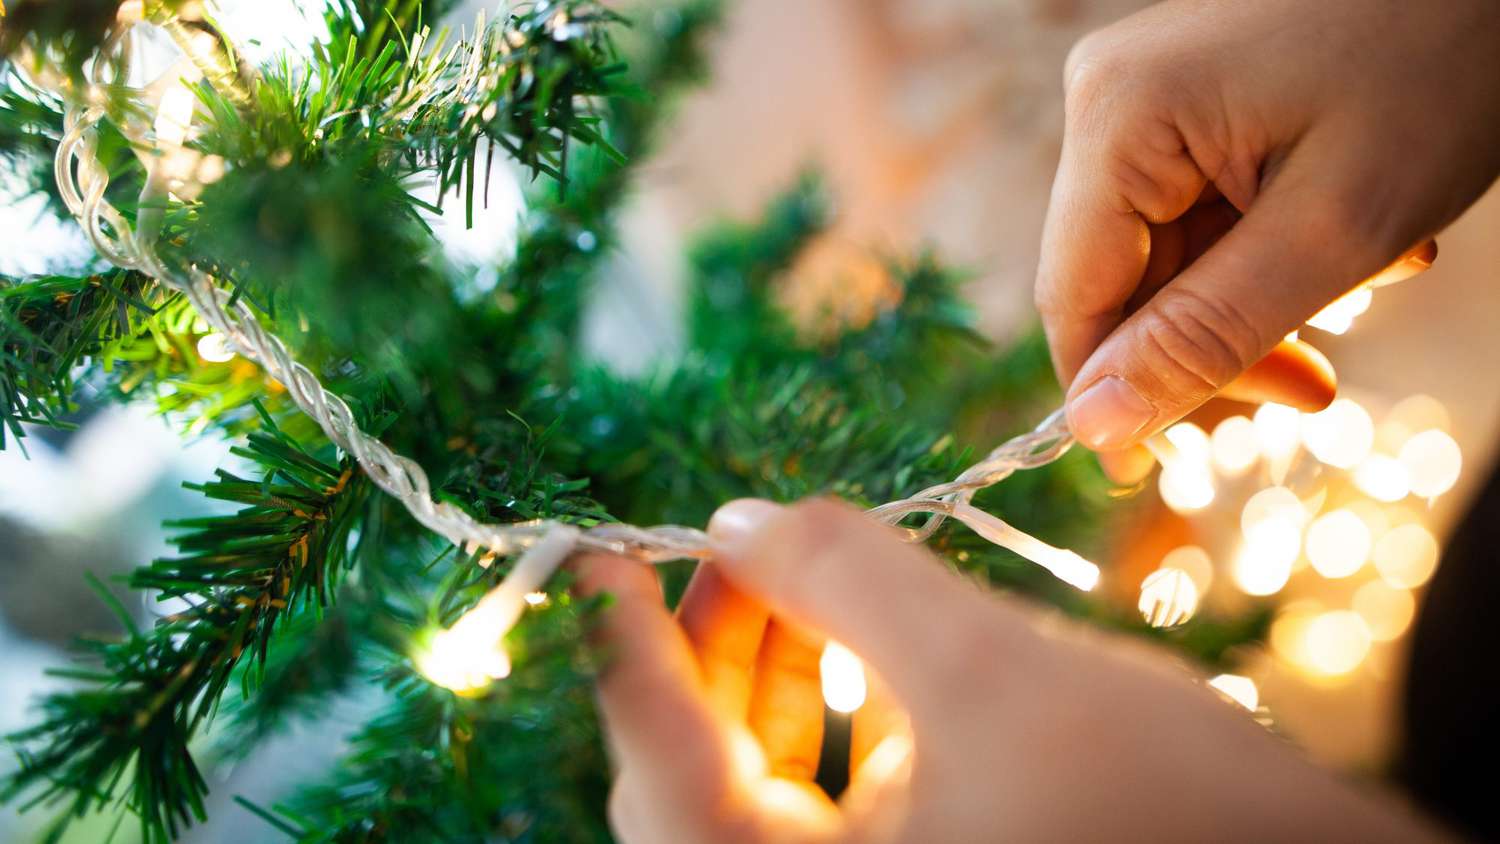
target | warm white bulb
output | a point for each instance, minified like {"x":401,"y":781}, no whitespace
{"x":1383,"y":478}
{"x":1239,"y":689}
{"x":466,"y":658}
{"x":1341,"y":435}
{"x":536,"y":599}
{"x":1235,"y":446}
{"x":1168,"y":597}
{"x":1338,"y":543}
{"x":1185,"y":487}
{"x":1406,"y":556}
{"x":214,"y":348}
{"x":1264,"y":563}
{"x":1433,"y":462}
{"x":1274,"y":502}
{"x":1278,"y":428}
{"x":844,"y":686}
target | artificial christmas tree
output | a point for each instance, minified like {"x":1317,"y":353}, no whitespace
{"x":261,"y":240}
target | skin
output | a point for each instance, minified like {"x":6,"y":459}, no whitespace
{"x":989,"y":719}
{"x":1230,"y":168}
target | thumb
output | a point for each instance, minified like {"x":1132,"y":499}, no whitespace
{"x":1303,"y":243}
{"x":824,"y":564}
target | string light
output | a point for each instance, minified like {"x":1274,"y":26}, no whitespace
{"x":1406,"y":556}
{"x":1386,"y":610}
{"x":1235,"y":446}
{"x":1278,"y":430}
{"x":1338,"y":544}
{"x":1433,"y":462}
{"x":1168,"y":597}
{"x":1264,"y":563}
{"x":1186,"y":483}
{"x":844,"y":685}
{"x":1383,"y":478}
{"x":1237,"y":688}
{"x":1341,"y":435}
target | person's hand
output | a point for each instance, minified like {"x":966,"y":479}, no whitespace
{"x":1021,"y":727}
{"x":1229,"y":168}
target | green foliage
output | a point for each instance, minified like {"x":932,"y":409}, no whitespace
{"x":240,"y":574}
{"x":48,"y":326}
{"x":75,"y":28}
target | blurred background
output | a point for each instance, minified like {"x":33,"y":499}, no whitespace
{"x":936,"y":122}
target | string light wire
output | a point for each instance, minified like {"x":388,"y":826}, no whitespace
{"x":82,"y":181}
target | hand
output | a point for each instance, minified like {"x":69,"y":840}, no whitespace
{"x":1229,"y":168}
{"x":1020,"y":727}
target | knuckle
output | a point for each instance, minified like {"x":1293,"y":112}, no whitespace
{"x":1195,"y":343}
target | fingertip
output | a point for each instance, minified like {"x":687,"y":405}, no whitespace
{"x":1127,"y":467}
{"x":736,"y":522}
{"x":1294,"y":374}
{"x":599,"y":573}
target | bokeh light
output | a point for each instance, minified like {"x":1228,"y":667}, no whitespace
{"x":1275,"y":502}
{"x":1433,"y":462}
{"x":1383,"y":478}
{"x":1410,"y":416}
{"x":1338,"y":317}
{"x":1278,"y":430}
{"x":1169,"y":597}
{"x":1264,"y":562}
{"x":1406,"y":556}
{"x":1341,"y":435}
{"x":1235,"y":446}
{"x":1338,"y":543}
{"x":1336,"y":643}
{"x":1386,"y":610}
{"x":1237,"y":688}
{"x":1195,"y":561}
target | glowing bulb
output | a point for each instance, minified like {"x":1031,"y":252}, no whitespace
{"x":536,"y":599}
{"x":1406,"y":556}
{"x":1278,"y":428}
{"x":1065,"y":565}
{"x":1338,"y":543}
{"x":1239,"y":689}
{"x":1185,"y":488}
{"x":1433,"y":461}
{"x":1383,"y":478}
{"x":174,"y":115}
{"x":1235,"y":446}
{"x":1168,"y":597}
{"x":1339,"y":316}
{"x":844,"y":686}
{"x":466,"y":658}
{"x":1341,"y":436}
{"x":1193,"y":560}
{"x":1190,"y":441}
{"x":1336,"y":643}
{"x":1264,"y":563}
{"x":214,"y":348}
{"x":1274,"y":502}
{"x":1386,"y":610}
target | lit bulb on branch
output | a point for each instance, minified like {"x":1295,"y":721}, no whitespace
{"x":214,"y":348}
{"x":843,"y":676}
{"x":470,"y":655}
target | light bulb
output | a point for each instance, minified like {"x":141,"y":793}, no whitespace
{"x":844,"y":686}
{"x":1235,"y":446}
{"x":214,"y":348}
{"x":1433,"y":462}
{"x":536,"y":599}
{"x":1264,"y":563}
{"x":1278,"y":428}
{"x":174,"y":115}
{"x":1338,"y":543}
{"x":1239,"y":689}
{"x":1383,"y":478}
{"x":1185,"y":488}
{"x":1341,"y":435}
{"x":1168,"y":597}
{"x":466,"y":658}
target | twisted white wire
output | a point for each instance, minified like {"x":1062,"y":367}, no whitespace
{"x":82,"y":180}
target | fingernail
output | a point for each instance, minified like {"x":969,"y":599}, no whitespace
{"x":738,"y":520}
{"x":1108,"y":414}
